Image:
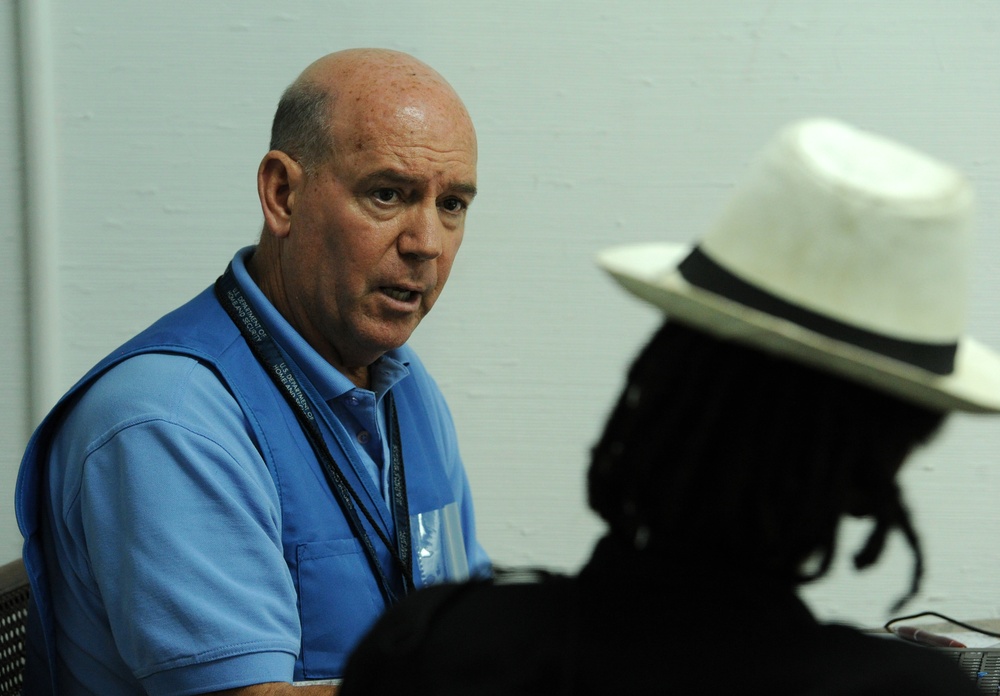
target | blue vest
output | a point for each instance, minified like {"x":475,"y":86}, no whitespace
{"x":338,"y":594}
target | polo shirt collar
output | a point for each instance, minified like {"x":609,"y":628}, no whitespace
{"x":328,"y":381}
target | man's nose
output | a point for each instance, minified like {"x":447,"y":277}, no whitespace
{"x":422,"y":236}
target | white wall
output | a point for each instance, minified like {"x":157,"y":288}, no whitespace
{"x":599,"y":123}
{"x":14,"y":418}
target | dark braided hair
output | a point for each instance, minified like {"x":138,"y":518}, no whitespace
{"x":720,"y":453}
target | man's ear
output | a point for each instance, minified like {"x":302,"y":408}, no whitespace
{"x":279,"y":179}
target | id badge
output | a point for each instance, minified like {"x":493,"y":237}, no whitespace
{"x":439,"y":546}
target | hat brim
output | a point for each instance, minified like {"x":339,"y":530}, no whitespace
{"x":649,"y":271}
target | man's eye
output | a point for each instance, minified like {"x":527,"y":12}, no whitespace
{"x":453,"y":205}
{"x":385,"y":195}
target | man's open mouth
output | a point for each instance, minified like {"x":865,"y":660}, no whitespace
{"x":397,"y":294}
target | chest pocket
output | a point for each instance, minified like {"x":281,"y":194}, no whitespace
{"x":339,"y":598}
{"x":338,"y":601}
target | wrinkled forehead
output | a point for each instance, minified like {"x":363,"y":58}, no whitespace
{"x":372,"y":115}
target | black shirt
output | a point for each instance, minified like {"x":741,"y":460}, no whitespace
{"x":632,"y":623}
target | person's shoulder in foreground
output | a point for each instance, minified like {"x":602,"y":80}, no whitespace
{"x":534,"y":633}
{"x":469,"y":638}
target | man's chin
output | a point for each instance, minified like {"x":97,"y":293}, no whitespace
{"x":390,"y":340}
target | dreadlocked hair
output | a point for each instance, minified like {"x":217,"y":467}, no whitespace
{"x":720,"y":453}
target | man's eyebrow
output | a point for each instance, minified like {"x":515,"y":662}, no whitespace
{"x":469,"y":190}
{"x":392,"y":176}
{"x":389,"y":176}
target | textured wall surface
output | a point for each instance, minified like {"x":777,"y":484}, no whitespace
{"x":14,"y":413}
{"x":598,"y":122}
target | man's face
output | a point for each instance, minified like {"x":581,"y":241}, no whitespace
{"x":375,"y":229}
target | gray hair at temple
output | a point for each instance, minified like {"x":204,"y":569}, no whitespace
{"x":301,"y":126}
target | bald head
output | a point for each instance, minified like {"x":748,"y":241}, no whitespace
{"x":374,"y":72}
{"x":364,"y":192}
{"x":345,"y":90}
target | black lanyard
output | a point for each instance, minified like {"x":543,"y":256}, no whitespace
{"x":270,"y":356}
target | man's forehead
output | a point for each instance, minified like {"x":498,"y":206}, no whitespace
{"x":405,"y":136}
{"x":410,"y":118}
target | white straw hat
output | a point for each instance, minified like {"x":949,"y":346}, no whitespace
{"x":843,"y":250}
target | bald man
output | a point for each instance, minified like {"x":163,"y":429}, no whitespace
{"x":228,"y":501}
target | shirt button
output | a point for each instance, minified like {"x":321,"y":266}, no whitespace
{"x":353,"y":400}
{"x":363,"y":437}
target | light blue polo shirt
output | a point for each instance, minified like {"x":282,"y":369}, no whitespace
{"x":163,"y":533}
